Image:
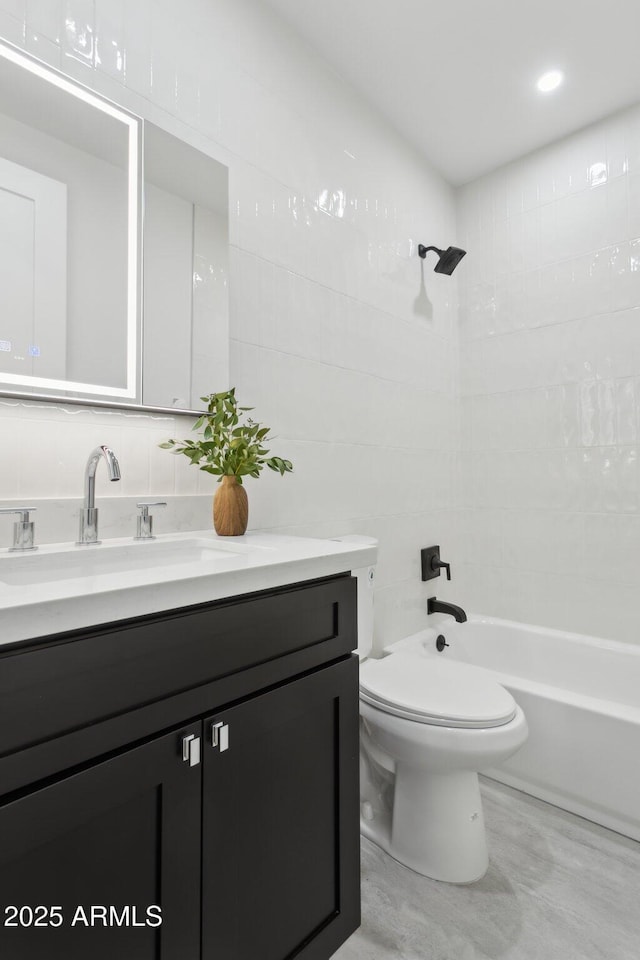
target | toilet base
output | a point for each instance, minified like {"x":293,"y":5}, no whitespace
{"x":385,"y":847}
{"x":431,"y":822}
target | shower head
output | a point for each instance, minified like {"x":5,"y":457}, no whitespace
{"x":448,"y":259}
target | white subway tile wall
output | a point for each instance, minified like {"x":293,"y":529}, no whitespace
{"x":550,"y":384}
{"x":335,"y":339}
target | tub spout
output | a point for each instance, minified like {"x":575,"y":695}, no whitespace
{"x":439,"y":606}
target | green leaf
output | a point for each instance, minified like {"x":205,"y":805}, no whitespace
{"x":226,"y":445}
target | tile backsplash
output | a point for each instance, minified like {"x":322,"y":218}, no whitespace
{"x":338,"y":337}
{"x":550,"y":384}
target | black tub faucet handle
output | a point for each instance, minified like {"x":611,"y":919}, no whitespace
{"x":431,"y":563}
{"x":437,"y":564}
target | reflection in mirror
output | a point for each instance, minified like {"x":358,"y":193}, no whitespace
{"x":186,"y":311}
{"x":68,"y":236}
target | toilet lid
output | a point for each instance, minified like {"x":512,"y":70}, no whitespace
{"x":437,"y":691}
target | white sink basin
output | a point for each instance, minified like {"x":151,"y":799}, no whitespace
{"x":91,"y":561}
{"x":62,"y":587}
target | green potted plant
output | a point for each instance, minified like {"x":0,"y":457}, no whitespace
{"x":229,"y":449}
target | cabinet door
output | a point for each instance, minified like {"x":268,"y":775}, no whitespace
{"x":280,"y":821}
{"x":123,"y":834}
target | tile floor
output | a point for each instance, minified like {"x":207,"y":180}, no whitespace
{"x":557,"y":888}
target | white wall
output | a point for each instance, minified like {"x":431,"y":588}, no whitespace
{"x":550,"y":376}
{"x":332,"y":338}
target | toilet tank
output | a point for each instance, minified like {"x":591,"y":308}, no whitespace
{"x":366,"y":581}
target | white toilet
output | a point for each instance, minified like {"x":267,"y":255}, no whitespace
{"x":427,"y":726}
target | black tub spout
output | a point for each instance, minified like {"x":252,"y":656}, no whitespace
{"x":439,"y":606}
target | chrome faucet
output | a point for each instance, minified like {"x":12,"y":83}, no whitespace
{"x":89,"y":513}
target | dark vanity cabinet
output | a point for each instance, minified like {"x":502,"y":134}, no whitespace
{"x":278,"y":812}
{"x":184,"y":785}
{"x":117,"y":834}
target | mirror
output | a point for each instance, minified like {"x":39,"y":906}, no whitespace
{"x":69,"y":235}
{"x":114,"y":250}
{"x":186,"y":270}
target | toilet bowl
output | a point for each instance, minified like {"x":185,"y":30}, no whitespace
{"x":427,"y":728}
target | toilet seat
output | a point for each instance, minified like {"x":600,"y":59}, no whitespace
{"x":435,"y":691}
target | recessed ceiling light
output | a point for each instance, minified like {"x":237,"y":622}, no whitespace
{"x":550,"y":81}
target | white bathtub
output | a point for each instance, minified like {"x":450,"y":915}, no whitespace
{"x":581,"y":698}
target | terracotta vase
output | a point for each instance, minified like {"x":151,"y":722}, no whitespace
{"x":230,"y":508}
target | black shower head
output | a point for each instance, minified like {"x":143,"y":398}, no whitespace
{"x":448,"y":259}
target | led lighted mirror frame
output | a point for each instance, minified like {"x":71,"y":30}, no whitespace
{"x":129,"y":394}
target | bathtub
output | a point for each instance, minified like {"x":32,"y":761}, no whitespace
{"x":581,"y":698}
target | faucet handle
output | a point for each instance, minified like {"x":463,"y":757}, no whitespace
{"x":24,"y":511}
{"x":437,"y":564}
{"x":432,"y":564}
{"x":145,"y":520}
{"x":143,"y":506}
{"x":23,"y":529}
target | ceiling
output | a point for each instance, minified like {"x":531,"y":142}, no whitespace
{"x":457,"y":78}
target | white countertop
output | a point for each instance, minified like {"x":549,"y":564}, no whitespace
{"x":64,"y":587}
